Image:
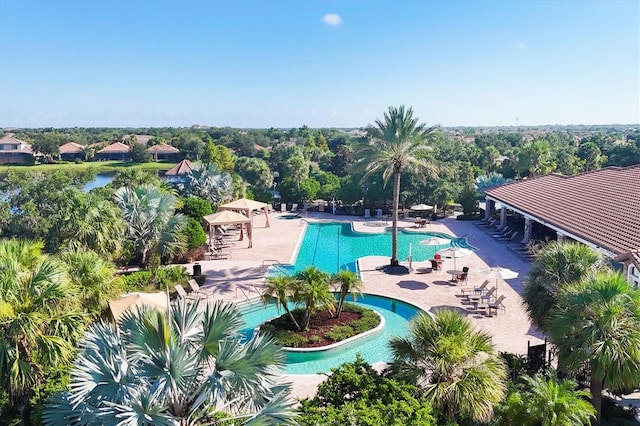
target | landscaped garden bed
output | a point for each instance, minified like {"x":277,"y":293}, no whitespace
{"x":324,"y":329}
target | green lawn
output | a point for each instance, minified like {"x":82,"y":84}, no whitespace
{"x":98,"y":166}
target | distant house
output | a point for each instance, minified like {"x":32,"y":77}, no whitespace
{"x":115,"y":151}
{"x":164,"y":151}
{"x":15,"y":151}
{"x":71,"y":151}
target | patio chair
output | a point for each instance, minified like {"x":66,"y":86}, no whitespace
{"x":507,"y":237}
{"x":478,"y":289}
{"x":496,"y":305}
{"x":489,"y":294}
{"x":463,"y":276}
{"x":195,"y":288}
{"x":294,"y":208}
{"x":182,"y":292}
{"x":379,"y":214}
{"x":367,"y":213}
{"x":488,"y":224}
{"x":435,"y":265}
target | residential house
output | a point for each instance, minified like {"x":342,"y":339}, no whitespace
{"x":115,"y":151}
{"x":71,"y":151}
{"x":164,"y":152}
{"x":15,"y":151}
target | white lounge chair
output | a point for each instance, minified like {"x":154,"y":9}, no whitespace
{"x":367,"y":213}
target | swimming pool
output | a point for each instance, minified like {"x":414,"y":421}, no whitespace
{"x":374,"y":348}
{"x":335,"y":246}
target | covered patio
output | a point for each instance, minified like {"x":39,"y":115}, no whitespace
{"x":247,"y":206}
{"x":227,"y":217}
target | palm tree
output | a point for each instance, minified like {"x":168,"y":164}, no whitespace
{"x":557,"y":265}
{"x":93,"y":223}
{"x":186,"y":367}
{"x":279,"y":288}
{"x":134,"y":177}
{"x":347,"y":282}
{"x":151,"y":223}
{"x":93,"y":277}
{"x":599,"y":325}
{"x":206,"y":181}
{"x":39,"y":318}
{"x":397,"y":145}
{"x":546,"y":402}
{"x":314,"y":291}
{"x":455,"y":365}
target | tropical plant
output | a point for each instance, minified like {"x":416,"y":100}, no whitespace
{"x":195,"y":208}
{"x":206,"y":181}
{"x":454,"y":365}
{"x":556,"y":266}
{"x":280,"y":288}
{"x":356,"y":394}
{"x":598,"y":324}
{"x":535,"y":158}
{"x":346,"y":282}
{"x":134,"y":177}
{"x":187,"y":367}
{"x":151,"y":223}
{"x":90,"y":222}
{"x":314,"y":291}
{"x":39,"y":318}
{"x":545,"y":402}
{"x":488,"y":181}
{"x":94,"y":278}
{"x":396,"y":145}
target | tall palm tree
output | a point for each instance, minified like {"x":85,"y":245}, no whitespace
{"x":152,"y":224}
{"x":280,"y":288}
{"x":314,"y":291}
{"x":94,"y":278}
{"x":546,"y":402}
{"x":599,"y":324}
{"x":397,"y":145}
{"x":455,"y":365}
{"x":39,"y":318}
{"x":186,"y":367}
{"x":557,"y":266}
{"x":347,"y":282}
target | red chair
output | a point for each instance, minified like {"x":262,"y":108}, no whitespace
{"x":437,"y":256}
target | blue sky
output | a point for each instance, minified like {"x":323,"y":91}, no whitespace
{"x":320,"y":63}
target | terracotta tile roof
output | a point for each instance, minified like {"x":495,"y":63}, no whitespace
{"x":602,"y":206}
{"x":181,"y":168}
{"x":633,"y":256}
{"x":71,"y":148}
{"x":117,"y":147}
{"x":23,"y":147}
{"x":163,"y":148}
{"x":143,"y":139}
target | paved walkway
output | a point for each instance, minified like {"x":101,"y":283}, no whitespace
{"x":241,"y":276}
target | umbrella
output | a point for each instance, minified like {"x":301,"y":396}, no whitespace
{"x":421,"y":207}
{"x":435,"y":241}
{"x":498,"y":272}
{"x":455,"y":252}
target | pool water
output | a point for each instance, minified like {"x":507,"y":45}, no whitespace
{"x":373,"y":348}
{"x":336,"y":246}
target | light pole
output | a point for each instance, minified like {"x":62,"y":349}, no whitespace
{"x":274,"y":191}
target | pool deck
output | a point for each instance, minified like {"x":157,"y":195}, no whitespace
{"x":241,"y":276}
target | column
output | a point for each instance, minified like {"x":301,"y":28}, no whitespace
{"x":503,"y":216}
{"x":488,"y":208}
{"x":560,"y":237}
{"x":527,"y":230}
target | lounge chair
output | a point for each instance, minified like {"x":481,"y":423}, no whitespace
{"x":294,"y":208}
{"x":497,"y":305}
{"x":508,"y":237}
{"x":379,"y":214}
{"x":489,"y":294}
{"x":195,"y":288}
{"x":182,"y":292}
{"x":367,"y":213}
{"x":487,"y":224}
{"x":478,"y":289}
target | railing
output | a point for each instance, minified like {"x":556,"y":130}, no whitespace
{"x":275,"y":263}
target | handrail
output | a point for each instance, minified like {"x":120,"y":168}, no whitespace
{"x":245,"y":294}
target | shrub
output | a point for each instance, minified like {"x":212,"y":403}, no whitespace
{"x":195,"y":208}
{"x":196,"y":237}
{"x":340,"y":333}
{"x":137,"y":281}
{"x":285,"y":338}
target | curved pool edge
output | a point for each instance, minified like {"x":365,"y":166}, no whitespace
{"x":341,"y":343}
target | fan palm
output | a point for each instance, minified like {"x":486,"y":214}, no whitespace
{"x":599,"y":324}
{"x":93,"y":277}
{"x":151,"y":223}
{"x":279,"y":288}
{"x":557,"y":265}
{"x":39,"y":318}
{"x":347,"y":282}
{"x":188,"y":367}
{"x":396,"y":145}
{"x":546,"y":402}
{"x":455,"y":365}
{"x":206,"y":181}
{"x":314,"y":291}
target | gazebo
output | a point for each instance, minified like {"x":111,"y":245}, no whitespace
{"x":181,"y":168}
{"x":247,"y":206}
{"x":227,"y":217}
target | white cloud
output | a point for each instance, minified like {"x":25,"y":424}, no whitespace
{"x":521,"y":46}
{"x":332,"y":19}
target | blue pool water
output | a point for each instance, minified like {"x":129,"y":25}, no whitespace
{"x":373,"y":348}
{"x":335,"y":246}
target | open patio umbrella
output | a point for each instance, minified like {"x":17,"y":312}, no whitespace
{"x":498,"y":273}
{"x":435,"y":241}
{"x":454,"y":253}
{"x":420,"y":207}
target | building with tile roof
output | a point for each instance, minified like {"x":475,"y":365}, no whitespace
{"x":15,"y":151}
{"x":71,"y":150}
{"x":115,"y":151}
{"x":600,"y":208}
{"x":163,"y":151}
